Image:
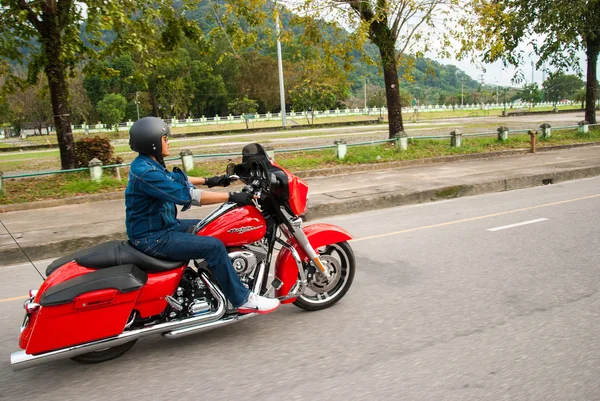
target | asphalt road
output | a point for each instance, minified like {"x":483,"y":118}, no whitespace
{"x":491,"y":297}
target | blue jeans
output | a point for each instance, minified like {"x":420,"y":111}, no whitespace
{"x":179,"y":244}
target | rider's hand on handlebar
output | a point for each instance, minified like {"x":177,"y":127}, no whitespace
{"x":220,"y":181}
{"x":241,"y":198}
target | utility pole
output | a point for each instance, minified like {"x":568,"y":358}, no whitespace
{"x":543,"y":80}
{"x":543,"y":73}
{"x":280,"y":66}
{"x":532,"y":73}
{"x":137,"y":104}
{"x":481,"y":83}
{"x":497,"y":87}
{"x":365,"y":92}
{"x":462,"y":90}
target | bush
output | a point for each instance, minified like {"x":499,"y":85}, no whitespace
{"x":99,"y":147}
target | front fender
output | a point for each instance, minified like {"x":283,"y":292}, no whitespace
{"x":318,"y":235}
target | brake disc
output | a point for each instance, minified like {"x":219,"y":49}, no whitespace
{"x":319,"y":283}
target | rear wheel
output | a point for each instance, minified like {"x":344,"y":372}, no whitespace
{"x":320,"y":293}
{"x":105,"y":354}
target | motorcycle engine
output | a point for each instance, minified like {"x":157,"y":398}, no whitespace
{"x":246,"y":259}
{"x":193,"y":298}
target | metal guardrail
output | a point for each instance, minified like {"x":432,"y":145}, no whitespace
{"x":45,"y":173}
{"x":236,"y":154}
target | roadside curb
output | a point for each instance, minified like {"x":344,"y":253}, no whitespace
{"x":35,"y":252}
{"x":73,"y":200}
{"x":434,"y":160}
{"x":333,"y":207}
{"x":392,"y":199}
{"x":346,"y":169}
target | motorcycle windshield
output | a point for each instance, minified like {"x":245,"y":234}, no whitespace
{"x":286,"y":187}
{"x":252,"y":150}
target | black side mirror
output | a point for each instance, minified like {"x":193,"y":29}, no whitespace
{"x":230,"y":169}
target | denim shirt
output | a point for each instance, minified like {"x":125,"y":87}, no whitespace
{"x":150,"y":198}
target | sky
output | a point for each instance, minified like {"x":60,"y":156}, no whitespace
{"x":497,"y":74}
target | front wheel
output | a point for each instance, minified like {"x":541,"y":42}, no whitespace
{"x":321,"y":294}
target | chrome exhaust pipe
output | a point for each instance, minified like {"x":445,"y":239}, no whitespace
{"x":20,"y":360}
{"x":207,"y":326}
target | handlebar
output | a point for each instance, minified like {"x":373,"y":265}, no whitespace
{"x":255,"y":189}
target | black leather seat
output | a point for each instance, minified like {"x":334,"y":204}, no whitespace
{"x":124,"y":278}
{"x":115,"y":253}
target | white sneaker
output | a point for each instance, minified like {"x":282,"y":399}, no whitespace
{"x":258,"y":304}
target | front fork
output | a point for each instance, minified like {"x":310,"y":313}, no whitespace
{"x":300,"y":285}
{"x":295,"y":230}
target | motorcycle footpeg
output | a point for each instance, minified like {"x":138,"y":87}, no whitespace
{"x":276,"y":284}
{"x":294,"y":292}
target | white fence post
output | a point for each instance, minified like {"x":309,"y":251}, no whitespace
{"x":187,"y":159}
{"x":95,"y":166}
{"x":456,"y":139}
{"x":341,"y":148}
{"x":546,"y":130}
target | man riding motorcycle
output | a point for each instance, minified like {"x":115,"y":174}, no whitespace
{"x":151,"y":215}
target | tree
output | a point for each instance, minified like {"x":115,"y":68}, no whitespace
{"x":556,"y":29}
{"x":119,"y":75}
{"x":81,"y":107}
{"x":398,"y":28}
{"x":30,"y":106}
{"x":45,"y":36}
{"x":312,"y":96}
{"x":4,"y":116}
{"x":242,"y":107}
{"x":171,"y":87}
{"x":259,"y":78}
{"x":531,"y":94}
{"x":376,"y":96}
{"x":560,"y":86}
{"x":208,"y":89}
{"x":503,"y":92}
{"x":112,"y":109}
{"x":580,"y":97}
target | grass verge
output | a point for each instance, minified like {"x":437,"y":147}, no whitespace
{"x":56,"y":187}
{"x":73,"y":184}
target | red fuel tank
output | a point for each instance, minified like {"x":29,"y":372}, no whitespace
{"x":240,"y":226}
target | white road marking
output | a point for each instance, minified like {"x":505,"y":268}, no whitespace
{"x":9,"y":267}
{"x":517,"y":224}
{"x":14,"y":299}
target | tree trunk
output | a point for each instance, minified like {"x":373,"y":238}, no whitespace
{"x":381,"y":36}
{"x":59,"y":93}
{"x":591,"y":81}
{"x":60,"y":107}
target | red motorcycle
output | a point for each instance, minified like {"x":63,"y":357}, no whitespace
{"x":97,"y":302}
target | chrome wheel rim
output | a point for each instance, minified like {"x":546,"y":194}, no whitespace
{"x":318,"y":290}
